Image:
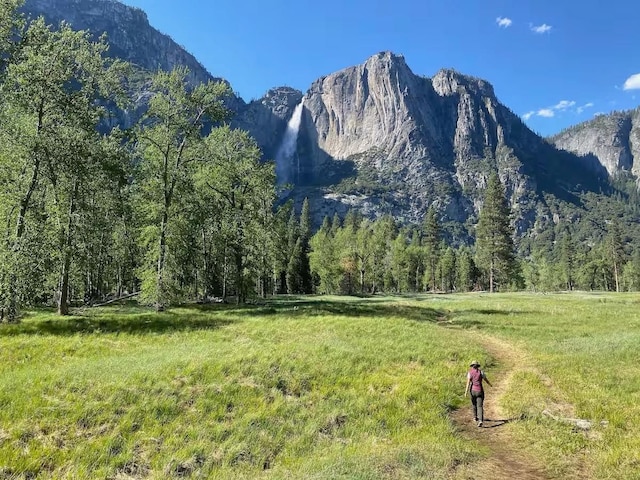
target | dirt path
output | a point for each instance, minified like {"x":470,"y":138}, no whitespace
{"x":505,"y":460}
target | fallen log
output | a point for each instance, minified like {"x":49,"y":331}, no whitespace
{"x":580,"y":423}
{"x":114,"y":300}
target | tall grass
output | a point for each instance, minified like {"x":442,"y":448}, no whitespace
{"x":299,"y":389}
{"x":320,"y":387}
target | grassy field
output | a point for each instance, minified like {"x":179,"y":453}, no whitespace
{"x":315,"y":388}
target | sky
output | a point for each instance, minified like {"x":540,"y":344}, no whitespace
{"x":553,"y":62}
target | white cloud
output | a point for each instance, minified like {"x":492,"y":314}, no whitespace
{"x":633,"y":82}
{"x":546,"y":112}
{"x":504,"y":22}
{"x":544,"y":28}
{"x":563,"y":105}
{"x":581,"y":109}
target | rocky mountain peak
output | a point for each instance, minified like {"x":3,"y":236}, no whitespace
{"x":128,"y":32}
{"x":614,"y":140}
{"x":448,"y":82}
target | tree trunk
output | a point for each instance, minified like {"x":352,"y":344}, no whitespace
{"x":239,"y":276}
{"x":491,"y":273}
{"x":160,"y":294}
{"x":63,"y":293}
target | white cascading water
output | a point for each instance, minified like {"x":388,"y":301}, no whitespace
{"x":287,"y":150}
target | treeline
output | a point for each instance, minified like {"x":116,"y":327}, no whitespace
{"x":171,"y":208}
{"x":180,"y":207}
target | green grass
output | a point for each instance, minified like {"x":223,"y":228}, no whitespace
{"x":320,"y":387}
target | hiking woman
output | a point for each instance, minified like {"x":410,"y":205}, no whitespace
{"x":475,"y":378}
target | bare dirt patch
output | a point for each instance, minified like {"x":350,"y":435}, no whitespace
{"x":505,"y":460}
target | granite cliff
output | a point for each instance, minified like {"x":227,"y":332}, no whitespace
{"x":381,"y":139}
{"x":613,"y":139}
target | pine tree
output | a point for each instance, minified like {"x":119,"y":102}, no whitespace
{"x":305,"y":237}
{"x":431,"y":244}
{"x":567,"y":260}
{"x":615,"y":250}
{"x":494,"y":245}
{"x":465,"y":271}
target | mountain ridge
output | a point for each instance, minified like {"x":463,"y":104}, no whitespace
{"x":380,"y":138}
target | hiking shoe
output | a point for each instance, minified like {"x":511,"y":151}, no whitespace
{"x":475,"y":419}
{"x":479,"y":424}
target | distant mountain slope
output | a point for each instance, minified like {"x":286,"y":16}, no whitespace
{"x":379,"y":138}
{"x":129,"y":33}
{"x":613,"y":139}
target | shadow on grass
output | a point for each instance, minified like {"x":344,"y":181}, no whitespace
{"x":354,"y":308}
{"x":133,"y":324}
{"x":136,"y":320}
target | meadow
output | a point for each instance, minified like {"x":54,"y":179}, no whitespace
{"x":318,"y":387}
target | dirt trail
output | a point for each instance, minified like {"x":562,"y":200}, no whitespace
{"x":505,"y":461}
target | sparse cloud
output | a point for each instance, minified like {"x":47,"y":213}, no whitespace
{"x":544,"y":28}
{"x":560,"y":107}
{"x":581,"y":109}
{"x":563,"y":105}
{"x":632,"y":83}
{"x":504,"y":22}
{"x":546,"y":112}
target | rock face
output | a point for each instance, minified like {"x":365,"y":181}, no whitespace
{"x":128,"y":31}
{"x":266,"y":118}
{"x":613,"y":139}
{"x":130,"y":38}
{"x":405,"y":142}
{"x":381,"y":139}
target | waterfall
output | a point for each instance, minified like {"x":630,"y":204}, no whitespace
{"x":287,"y":151}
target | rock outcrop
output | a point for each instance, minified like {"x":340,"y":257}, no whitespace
{"x":266,"y":118}
{"x":381,"y":139}
{"x":411,"y":141}
{"x":128,"y":31}
{"x":613,"y":139}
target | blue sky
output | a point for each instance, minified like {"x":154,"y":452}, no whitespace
{"x":554,"y":62}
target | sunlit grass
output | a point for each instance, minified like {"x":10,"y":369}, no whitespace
{"x":322,"y":387}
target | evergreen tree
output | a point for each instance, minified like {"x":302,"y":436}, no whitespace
{"x":567,"y":260}
{"x":494,"y":245}
{"x":465,"y":271}
{"x":294,"y":269}
{"x":323,"y":259}
{"x":631,"y":273}
{"x":615,"y":251}
{"x":305,"y":237}
{"x":431,"y":244}
{"x":447,"y":268}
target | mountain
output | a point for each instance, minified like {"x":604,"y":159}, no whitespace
{"x":129,"y":33}
{"x":613,"y":139}
{"x":131,"y":38}
{"x":381,"y":139}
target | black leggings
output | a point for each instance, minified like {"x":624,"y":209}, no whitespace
{"x":477,"y":400}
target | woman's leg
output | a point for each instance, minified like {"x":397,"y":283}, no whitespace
{"x":474,"y":404}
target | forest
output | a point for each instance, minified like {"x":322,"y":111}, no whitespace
{"x":181,"y":208}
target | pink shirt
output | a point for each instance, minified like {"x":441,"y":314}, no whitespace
{"x":476,"y":377}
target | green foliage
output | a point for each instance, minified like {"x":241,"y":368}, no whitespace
{"x":495,"y":252}
{"x":279,"y":389}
